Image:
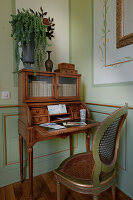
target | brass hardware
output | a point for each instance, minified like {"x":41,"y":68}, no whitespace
{"x":40,"y":118}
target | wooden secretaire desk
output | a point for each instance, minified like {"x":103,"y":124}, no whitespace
{"x":36,"y":92}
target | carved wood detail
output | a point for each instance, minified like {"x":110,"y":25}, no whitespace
{"x":121,"y":40}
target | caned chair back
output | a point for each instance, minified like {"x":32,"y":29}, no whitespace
{"x":106,"y":142}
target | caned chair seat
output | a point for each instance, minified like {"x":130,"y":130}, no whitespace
{"x":94,"y":172}
{"x":77,"y":171}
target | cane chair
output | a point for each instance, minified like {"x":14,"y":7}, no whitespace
{"x":95,"y":171}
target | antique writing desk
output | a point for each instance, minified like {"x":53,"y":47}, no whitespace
{"x":38,"y":91}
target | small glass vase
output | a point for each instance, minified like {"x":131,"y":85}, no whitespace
{"x":49,"y":63}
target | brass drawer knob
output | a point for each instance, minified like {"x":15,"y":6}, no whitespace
{"x":40,"y":118}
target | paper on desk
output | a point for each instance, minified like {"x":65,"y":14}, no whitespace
{"x":74,"y":123}
{"x":57,"y":109}
{"x":52,"y":125}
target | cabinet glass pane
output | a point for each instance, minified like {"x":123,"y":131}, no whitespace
{"x":67,"y":86}
{"x":39,"y":86}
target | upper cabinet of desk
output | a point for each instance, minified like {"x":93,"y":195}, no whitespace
{"x":43,"y":86}
{"x":68,"y":86}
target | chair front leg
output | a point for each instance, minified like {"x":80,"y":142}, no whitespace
{"x":58,"y":190}
{"x":113,"y":191}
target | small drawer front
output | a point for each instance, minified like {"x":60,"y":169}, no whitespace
{"x":38,"y":111}
{"x":75,"y":109}
{"x":40,"y":119}
{"x":76,"y":115}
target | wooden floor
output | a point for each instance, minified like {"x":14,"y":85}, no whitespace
{"x":45,"y":189}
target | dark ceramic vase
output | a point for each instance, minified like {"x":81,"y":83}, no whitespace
{"x":49,"y":63}
{"x":28,"y":51}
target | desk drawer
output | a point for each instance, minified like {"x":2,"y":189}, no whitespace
{"x":39,"y":111}
{"x":40,"y":119}
{"x":76,"y":115}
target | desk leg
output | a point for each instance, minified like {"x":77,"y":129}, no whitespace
{"x":21,"y":156}
{"x":71,"y":145}
{"x":88,"y":140}
{"x":30,"y":161}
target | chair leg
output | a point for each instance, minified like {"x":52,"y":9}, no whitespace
{"x":113,"y":191}
{"x":58,"y":190}
{"x":95,"y":197}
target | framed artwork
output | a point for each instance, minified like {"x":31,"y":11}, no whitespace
{"x":110,"y":63}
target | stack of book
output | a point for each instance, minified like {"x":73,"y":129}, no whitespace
{"x":40,"y":89}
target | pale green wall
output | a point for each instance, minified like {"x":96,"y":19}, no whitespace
{"x":6,"y":54}
{"x":81,"y":54}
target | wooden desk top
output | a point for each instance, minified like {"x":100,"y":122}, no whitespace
{"x":43,"y":133}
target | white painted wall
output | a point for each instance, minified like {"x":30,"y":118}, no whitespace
{"x":59,"y":10}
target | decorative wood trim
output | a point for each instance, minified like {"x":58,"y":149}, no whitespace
{"x":100,"y":112}
{"x":11,"y":106}
{"x":8,"y":106}
{"x":5,"y":116}
{"x":96,"y":104}
{"x":106,"y":105}
{"x":46,"y":154}
{"x":117,"y":63}
{"x":121,"y":40}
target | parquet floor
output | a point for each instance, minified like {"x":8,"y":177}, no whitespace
{"x":45,"y":189}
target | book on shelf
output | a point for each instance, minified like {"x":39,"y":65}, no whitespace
{"x":40,"y":89}
{"x":67,"y":90}
{"x":49,"y":89}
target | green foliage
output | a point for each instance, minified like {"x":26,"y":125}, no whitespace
{"x":26,"y":23}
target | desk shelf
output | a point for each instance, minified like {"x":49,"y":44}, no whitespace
{"x":60,"y":117}
{"x":60,"y":114}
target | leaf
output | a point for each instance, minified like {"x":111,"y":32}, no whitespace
{"x":103,"y":30}
{"x":41,"y":9}
{"x":119,"y":60}
{"x":32,"y":11}
{"x":105,"y":24}
{"x":129,"y":57}
{"x":109,"y":31}
{"x":101,"y":49}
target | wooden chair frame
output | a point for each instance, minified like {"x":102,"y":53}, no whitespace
{"x":96,"y":186}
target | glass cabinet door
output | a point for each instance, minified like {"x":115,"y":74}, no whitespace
{"x":67,"y":86}
{"x":40,"y":86}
